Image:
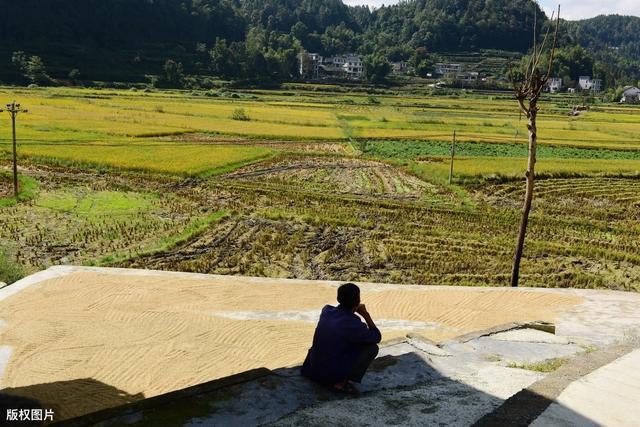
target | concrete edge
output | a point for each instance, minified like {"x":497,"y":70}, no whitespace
{"x":425,"y":340}
{"x":533,"y":324}
{"x":41,"y":276}
{"x":527,"y":405}
{"x":5,"y":356}
{"x":393,"y":341}
{"x":163,"y":399}
{"x":61,"y":270}
{"x":483,"y":333}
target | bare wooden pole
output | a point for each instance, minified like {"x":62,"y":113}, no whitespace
{"x":453,"y":154}
{"x":528,"y":94}
{"x":528,"y":198}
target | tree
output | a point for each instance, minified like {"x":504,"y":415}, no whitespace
{"x":222,"y":60}
{"x":300,"y":31}
{"x":19,"y":60}
{"x":36,"y":71}
{"x":74,"y":75}
{"x":31,"y":67}
{"x":376,"y":68}
{"x":528,"y":86}
{"x":174,"y":73}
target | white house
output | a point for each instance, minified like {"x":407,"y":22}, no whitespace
{"x":309,"y":64}
{"x":587,"y":83}
{"x":554,"y":84}
{"x":350,"y":65}
{"x":631,"y":95}
{"x":315,"y":66}
{"x":448,"y":69}
{"x":468,"y":77}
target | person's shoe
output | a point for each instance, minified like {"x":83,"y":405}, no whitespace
{"x":346,"y":387}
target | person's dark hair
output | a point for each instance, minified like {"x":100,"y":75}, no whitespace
{"x":349,"y":295}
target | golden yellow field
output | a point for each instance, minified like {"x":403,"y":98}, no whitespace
{"x":174,"y":158}
{"x":149,"y":130}
{"x":89,"y":115}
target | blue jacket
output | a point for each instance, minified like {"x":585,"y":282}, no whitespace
{"x":336,"y":343}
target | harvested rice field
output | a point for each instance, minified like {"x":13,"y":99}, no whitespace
{"x":340,"y":176}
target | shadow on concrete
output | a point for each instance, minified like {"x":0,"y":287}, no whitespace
{"x":66,"y":398}
{"x":408,"y":390}
{"x":402,"y":389}
{"x":522,"y":409}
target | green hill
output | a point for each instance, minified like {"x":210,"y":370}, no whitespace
{"x":128,"y":40}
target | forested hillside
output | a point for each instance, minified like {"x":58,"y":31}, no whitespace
{"x":132,"y":40}
{"x":450,"y":25}
{"x":120,"y":22}
{"x":612,"y":32}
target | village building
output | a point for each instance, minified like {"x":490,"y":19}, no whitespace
{"x":467,"y":76}
{"x":630,"y":95}
{"x":448,"y":70}
{"x":554,"y":85}
{"x":400,"y":68}
{"x":315,"y":66}
{"x":309,"y":64}
{"x":587,"y":83}
{"x":351,"y":65}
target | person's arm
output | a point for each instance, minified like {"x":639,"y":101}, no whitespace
{"x":365,"y":334}
{"x":362,"y":311}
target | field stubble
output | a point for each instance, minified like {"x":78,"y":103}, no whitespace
{"x":79,"y":217}
{"x":334,"y":230}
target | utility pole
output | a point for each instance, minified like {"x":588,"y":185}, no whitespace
{"x":453,"y":153}
{"x":13,"y":109}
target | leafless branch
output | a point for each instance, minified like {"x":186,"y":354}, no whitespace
{"x":554,"y":45}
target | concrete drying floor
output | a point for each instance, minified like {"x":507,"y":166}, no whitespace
{"x":85,"y":339}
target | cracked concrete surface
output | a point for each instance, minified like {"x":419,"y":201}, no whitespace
{"x":609,"y":395}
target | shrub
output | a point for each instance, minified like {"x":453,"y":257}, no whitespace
{"x":10,"y":270}
{"x":240,"y":114}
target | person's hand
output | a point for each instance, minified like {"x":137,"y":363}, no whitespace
{"x":362,"y":310}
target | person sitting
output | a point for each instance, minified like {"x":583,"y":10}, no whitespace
{"x":343,"y":346}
